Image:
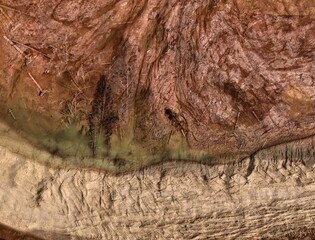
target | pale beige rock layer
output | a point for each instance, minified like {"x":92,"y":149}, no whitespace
{"x":268,"y":195}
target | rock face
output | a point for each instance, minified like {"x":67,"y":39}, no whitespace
{"x":269,"y":196}
{"x":199,"y":80}
{"x":218,"y":94}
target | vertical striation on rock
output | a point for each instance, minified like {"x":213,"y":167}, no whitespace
{"x":102,"y":117}
{"x":233,"y":76}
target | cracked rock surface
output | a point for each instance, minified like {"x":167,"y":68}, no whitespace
{"x":267,"y":196}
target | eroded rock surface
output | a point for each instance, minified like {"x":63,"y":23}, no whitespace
{"x":269,"y":195}
{"x":122,"y":84}
{"x":211,"y":80}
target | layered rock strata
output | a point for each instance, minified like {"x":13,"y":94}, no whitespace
{"x":218,"y":94}
{"x":268,"y":196}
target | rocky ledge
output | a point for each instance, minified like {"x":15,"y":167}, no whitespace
{"x":270,"y":195}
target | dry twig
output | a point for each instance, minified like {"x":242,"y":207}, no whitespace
{"x":11,"y":113}
{"x":15,"y":10}
{"x":237,"y":117}
{"x":32,"y":48}
{"x":41,"y":91}
{"x":13,"y":45}
{"x":4,"y":14}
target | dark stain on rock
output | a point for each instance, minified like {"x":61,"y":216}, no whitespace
{"x":118,"y":162}
{"x":253,"y":105}
{"x":102,"y":117}
{"x":205,"y":178}
{"x":162,"y":176}
{"x":176,"y":121}
{"x":39,"y":192}
{"x":251,"y":166}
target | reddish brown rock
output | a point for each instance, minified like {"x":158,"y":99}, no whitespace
{"x":228,"y":77}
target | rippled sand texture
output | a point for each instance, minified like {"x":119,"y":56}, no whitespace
{"x":212,"y":81}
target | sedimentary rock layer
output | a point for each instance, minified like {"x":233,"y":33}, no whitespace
{"x":270,"y":195}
